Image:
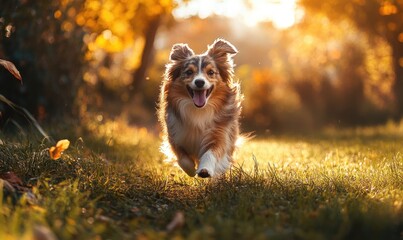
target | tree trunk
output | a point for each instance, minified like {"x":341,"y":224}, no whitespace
{"x":397,"y":53}
{"x":146,"y":57}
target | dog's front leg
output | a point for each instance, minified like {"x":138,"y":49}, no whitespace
{"x":216,"y":152}
{"x":211,"y":166}
{"x":187,"y":165}
{"x":207,"y":165}
{"x":185,"y":162}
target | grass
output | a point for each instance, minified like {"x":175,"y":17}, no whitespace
{"x":115,"y":185}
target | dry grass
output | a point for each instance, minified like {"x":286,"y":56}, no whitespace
{"x":114,"y":184}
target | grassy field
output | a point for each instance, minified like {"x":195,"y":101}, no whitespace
{"x":115,"y":185}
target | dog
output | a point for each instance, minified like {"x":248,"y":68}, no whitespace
{"x":199,"y":108}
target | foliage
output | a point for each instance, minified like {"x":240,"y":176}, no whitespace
{"x":342,"y":76}
{"x":69,"y":51}
{"x":47,"y":50}
{"x":338,"y":185}
{"x":382,"y":18}
{"x":316,"y":74}
{"x":116,"y":35}
{"x":117,"y":40}
{"x":80,"y":56}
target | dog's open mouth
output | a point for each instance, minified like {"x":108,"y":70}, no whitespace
{"x":200,"y":96}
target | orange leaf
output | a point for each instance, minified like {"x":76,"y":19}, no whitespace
{"x":177,"y":222}
{"x":11,"y":68}
{"x":13,"y":183}
{"x":56,"y":151}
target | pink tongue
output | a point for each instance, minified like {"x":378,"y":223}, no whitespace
{"x":199,"y":98}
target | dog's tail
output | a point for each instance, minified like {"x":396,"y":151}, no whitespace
{"x":243,"y":138}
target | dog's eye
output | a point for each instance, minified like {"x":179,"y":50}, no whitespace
{"x":189,"y":72}
{"x":211,"y":73}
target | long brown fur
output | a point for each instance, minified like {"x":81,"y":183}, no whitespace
{"x":192,"y":131}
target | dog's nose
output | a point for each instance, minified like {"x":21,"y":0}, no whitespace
{"x":199,"y":83}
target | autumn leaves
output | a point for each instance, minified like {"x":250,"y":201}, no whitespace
{"x":55,"y":152}
{"x":11,"y":68}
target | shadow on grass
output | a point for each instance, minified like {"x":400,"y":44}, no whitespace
{"x":266,"y":207}
{"x":135,"y":195}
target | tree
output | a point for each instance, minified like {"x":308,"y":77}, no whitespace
{"x":153,"y":14}
{"x":46,"y":44}
{"x":122,"y":25}
{"x":62,"y":46}
{"x":381,"y":18}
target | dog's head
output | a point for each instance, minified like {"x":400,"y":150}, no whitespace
{"x":199,"y":75}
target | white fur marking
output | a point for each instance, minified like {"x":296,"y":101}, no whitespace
{"x":208,"y":161}
{"x":200,"y":65}
{"x":222,"y":165}
{"x":200,"y":75}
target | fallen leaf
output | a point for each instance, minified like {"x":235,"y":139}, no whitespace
{"x":12,"y":178}
{"x":43,"y":233}
{"x":7,"y":186}
{"x":103,"y":218}
{"x":177,"y":222}
{"x":12,"y":184}
{"x":11,"y":68}
{"x":56,"y":151}
{"x":135,"y":210}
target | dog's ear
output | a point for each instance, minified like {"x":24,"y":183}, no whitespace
{"x":180,"y":52}
{"x":221,"y":49}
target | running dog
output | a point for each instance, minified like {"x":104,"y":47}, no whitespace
{"x":199,"y":108}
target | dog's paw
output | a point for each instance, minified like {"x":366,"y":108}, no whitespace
{"x":203,"y":173}
{"x":207,"y":165}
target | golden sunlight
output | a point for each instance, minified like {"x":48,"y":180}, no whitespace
{"x":282,"y":13}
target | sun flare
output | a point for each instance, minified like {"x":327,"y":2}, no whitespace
{"x":282,"y":13}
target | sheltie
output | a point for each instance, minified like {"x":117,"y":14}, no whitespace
{"x":199,"y":108}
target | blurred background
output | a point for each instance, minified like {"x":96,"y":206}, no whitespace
{"x":304,"y":65}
